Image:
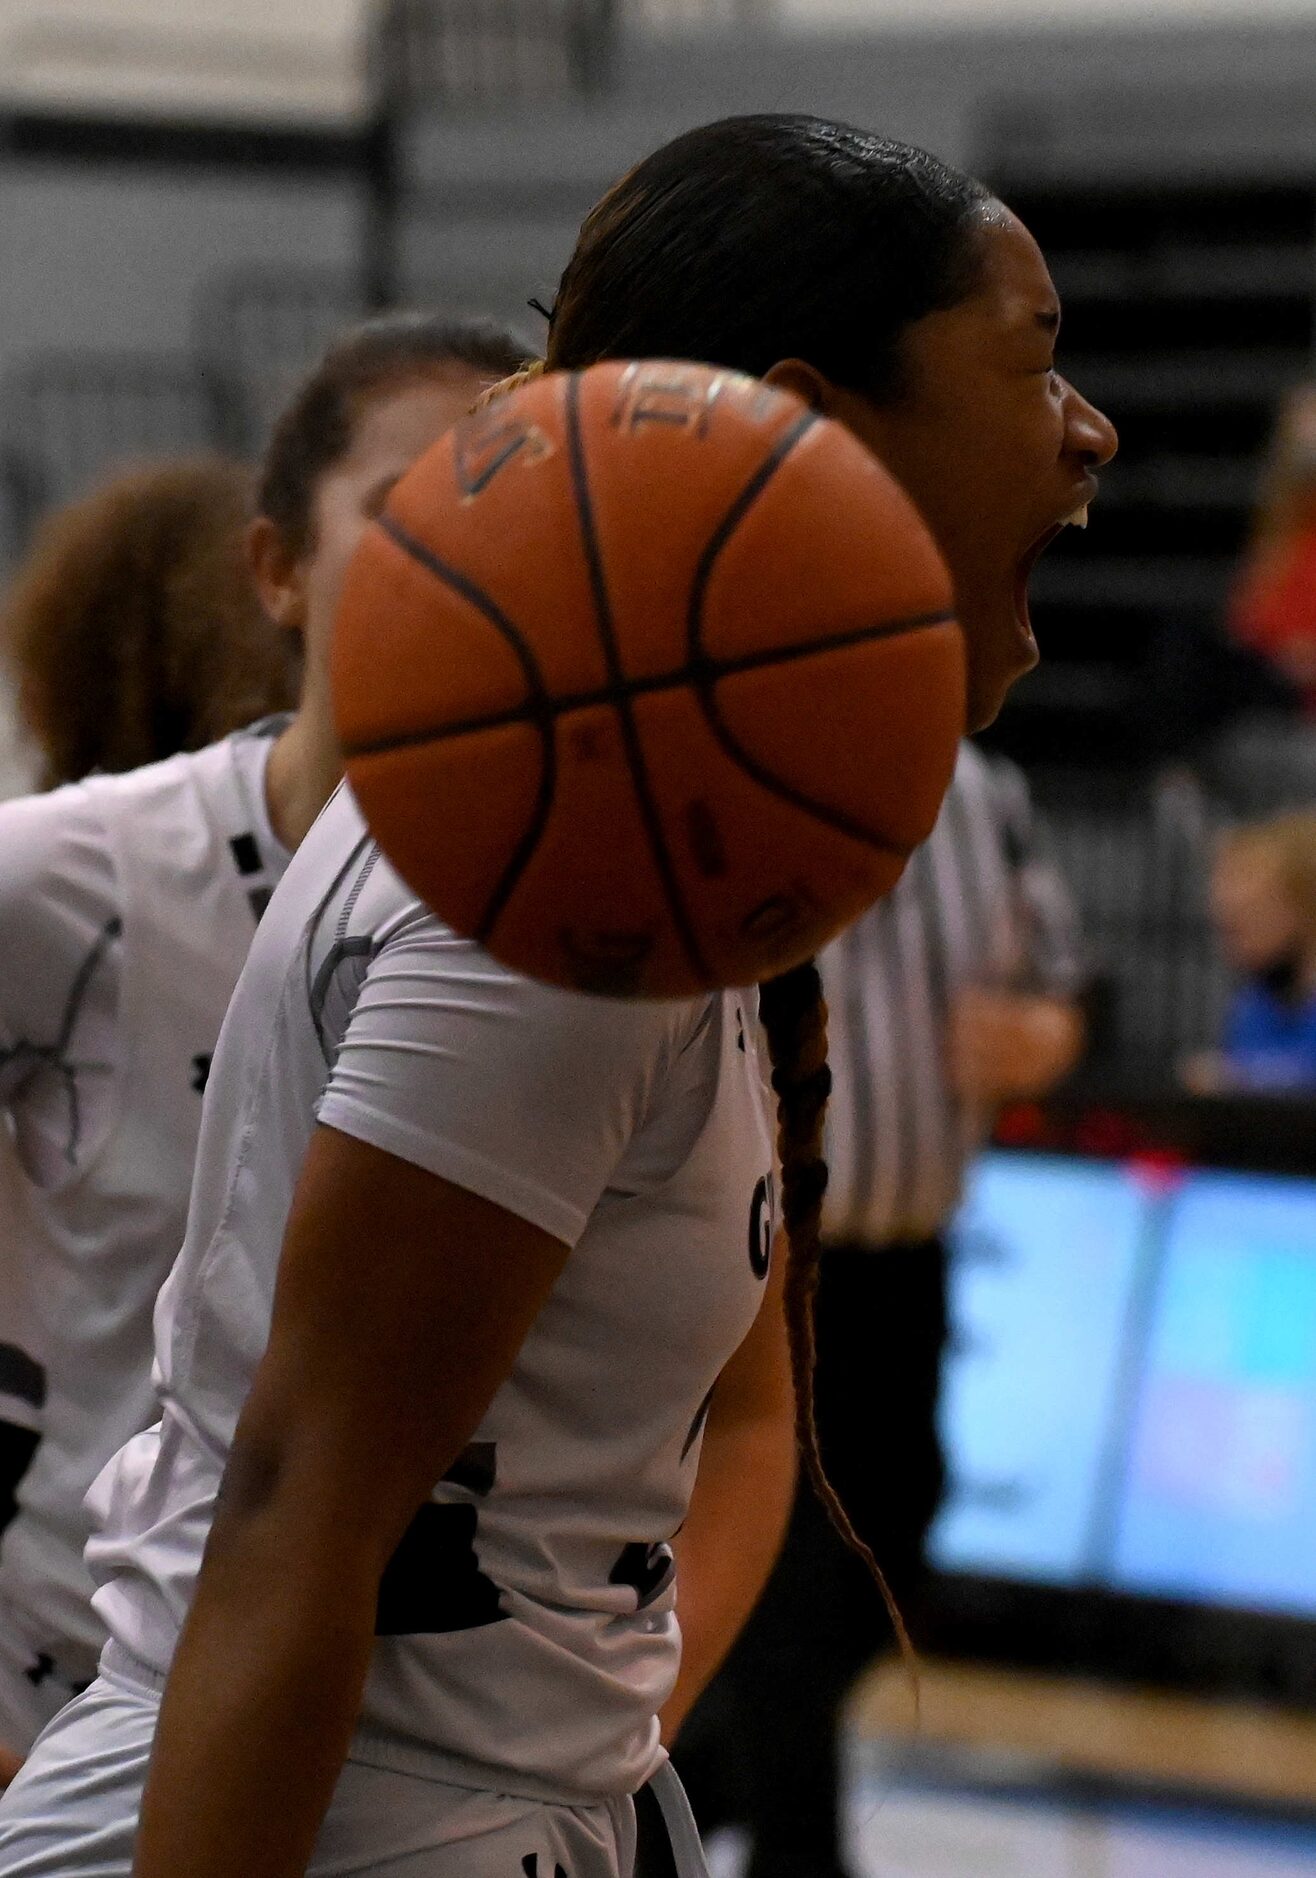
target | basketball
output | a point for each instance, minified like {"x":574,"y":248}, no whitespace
{"x":647,"y":678}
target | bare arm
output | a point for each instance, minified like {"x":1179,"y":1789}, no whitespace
{"x":741,"y":1501}
{"x":1011,"y":1045}
{"x":401,"y":1305}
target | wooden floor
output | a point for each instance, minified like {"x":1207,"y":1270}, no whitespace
{"x":1050,"y":1723}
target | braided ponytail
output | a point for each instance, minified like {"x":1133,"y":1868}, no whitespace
{"x":794,"y":1017}
{"x":523,"y":375}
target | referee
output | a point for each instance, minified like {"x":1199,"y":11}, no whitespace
{"x":956,"y":993}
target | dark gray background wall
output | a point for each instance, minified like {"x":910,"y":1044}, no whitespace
{"x":112,"y":255}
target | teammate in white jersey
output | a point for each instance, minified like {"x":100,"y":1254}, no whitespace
{"x":131,"y":630}
{"x":466,"y":1255}
{"x":128,"y":902}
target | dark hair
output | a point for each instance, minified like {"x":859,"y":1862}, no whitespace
{"x":132,"y":630}
{"x":758,"y":239}
{"x":317,"y":426}
{"x":743,"y":243}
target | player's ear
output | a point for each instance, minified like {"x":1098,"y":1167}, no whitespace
{"x":278,"y":573}
{"x":805,"y":380}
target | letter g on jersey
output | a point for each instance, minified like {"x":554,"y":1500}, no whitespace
{"x":762,"y":1225}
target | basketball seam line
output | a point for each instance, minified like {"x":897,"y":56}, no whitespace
{"x":710,"y":671}
{"x":622,"y":705}
{"x":533,"y":833}
{"x":704,"y":691}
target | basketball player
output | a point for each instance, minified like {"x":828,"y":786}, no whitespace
{"x":449,"y":1226}
{"x":130,"y":631}
{"x":128,"y":902}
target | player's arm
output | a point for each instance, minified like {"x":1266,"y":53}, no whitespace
{"x":741,"y":1502}
{"x":401,"y":1305}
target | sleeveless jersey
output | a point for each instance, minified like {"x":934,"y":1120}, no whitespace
{"x":169,"y":868}
{"x":526,"y":1631}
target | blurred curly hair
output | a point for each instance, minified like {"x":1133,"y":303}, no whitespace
{"x":132,"y":630}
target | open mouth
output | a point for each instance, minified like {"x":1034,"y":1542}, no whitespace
{"x":1029,"y":559}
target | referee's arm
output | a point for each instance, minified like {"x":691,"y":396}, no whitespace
{"x":1018,"y":1043}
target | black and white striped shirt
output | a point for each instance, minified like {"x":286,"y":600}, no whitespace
{"x":977,"y":905}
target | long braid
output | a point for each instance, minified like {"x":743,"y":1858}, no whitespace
{"x":794,"y":1016}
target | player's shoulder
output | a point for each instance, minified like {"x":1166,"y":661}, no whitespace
{"x":60,"y":845}
{"x":52,"y":850}
{"x":358,"y":915}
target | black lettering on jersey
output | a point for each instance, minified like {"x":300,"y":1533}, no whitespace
{"x":761,"y":1213}
{"x":475,"y":1468}
{"x":697,"y":1425}
{"x":530,"y":1867}
{"x":41,"y":1670}
{"x":22,"y":1376}
{"x":433,"y":1583}
{"x":487,"y":442}
{"x":647,"y":1569}
{"x":201,"y":1071}
{"x":740,"y":1030}
{"x":665,"y":394}
{"x":246,"y":854}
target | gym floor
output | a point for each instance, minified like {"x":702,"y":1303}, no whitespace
{"x":902,"y":1828}
{"x":1005,"y":1774}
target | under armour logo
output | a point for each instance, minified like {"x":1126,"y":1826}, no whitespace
{"x":45,"y":1666}
{"x":200,"y":1071}
{"x":530,"y":1866}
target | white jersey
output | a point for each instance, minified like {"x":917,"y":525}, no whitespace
{"x":127,"y":906}
{"x":526,"y":1633}
{"x":22,"y":1356}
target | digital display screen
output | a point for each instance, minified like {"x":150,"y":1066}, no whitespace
{"x":1130,"y":1398}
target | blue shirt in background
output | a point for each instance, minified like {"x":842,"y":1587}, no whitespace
{"x":1269,"y":1042}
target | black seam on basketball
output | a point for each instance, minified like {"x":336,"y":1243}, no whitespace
{"x":705,"y":675}
{"x":743,"y":503}
{"x":683,"y":677}
{"x":836,"y":819}
{"x":539,"y":713}
{"x":621,"y":698}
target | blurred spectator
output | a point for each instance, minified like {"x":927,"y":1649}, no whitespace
{"x":1263,"y":901}
{"x":1274,"y":604}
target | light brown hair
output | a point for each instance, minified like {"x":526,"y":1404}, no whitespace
{"x":1286,"y":843}
{"x":132,"y":630}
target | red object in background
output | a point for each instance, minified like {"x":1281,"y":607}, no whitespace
{"x":1159,"y":1170}
{"x":1022,"y":1125}
{"x":1274,"y":611}
{"x":1104,"y":1134}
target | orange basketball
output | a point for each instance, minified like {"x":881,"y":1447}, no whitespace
{"x":647,"y":678}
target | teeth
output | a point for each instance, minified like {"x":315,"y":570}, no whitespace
{"x":1079,"y":519}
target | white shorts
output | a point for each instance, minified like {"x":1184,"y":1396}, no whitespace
{"x":33,"y":1686}
{"x":75,"y":1807}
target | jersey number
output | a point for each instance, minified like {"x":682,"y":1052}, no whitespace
{"x":647,"y":1569}
{"x":433,"y":1582}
